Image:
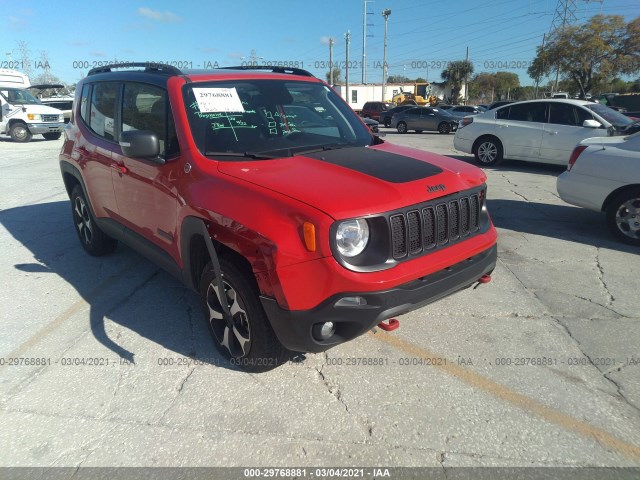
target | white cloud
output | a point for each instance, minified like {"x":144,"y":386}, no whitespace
{"x":163,"y":17}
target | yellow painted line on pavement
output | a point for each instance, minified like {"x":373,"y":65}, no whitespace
{"x":519,"y":400}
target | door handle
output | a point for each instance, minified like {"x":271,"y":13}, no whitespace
{"x":502,"y":125}
{"x":553,"y":133}
{"x":120,"y":168}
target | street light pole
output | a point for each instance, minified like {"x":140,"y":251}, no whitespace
{"x":385,"y":14}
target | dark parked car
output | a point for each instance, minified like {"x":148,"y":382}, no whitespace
{"x":375,"y":109}
{"x":499,"y":103}
{"x":385,"y":117}
{"x":461,"y":111}
{"x":372,"y":124}
{"x":424,"y":118}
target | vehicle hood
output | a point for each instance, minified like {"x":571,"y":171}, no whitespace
{"x":41,"y":109}
{"x":352,"y":182}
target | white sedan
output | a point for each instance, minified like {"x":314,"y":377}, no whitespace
{"x":537,"y":130}
{"x":604,"y":175}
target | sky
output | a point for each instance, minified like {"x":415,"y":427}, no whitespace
{"x":74,"y":36}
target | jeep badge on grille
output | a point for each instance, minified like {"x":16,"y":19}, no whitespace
{"x":435,"y":188}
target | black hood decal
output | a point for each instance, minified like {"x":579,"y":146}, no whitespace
{"x":386,"y":166}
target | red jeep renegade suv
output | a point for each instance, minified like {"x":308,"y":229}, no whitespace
{"x":263,"y":191}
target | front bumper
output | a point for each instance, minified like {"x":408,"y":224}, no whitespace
{"x":40,"y":128}
{"x":293,"y":327}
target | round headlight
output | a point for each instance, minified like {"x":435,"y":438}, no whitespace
{"x":352,"y":237}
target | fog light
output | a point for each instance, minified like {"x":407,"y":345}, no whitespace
{"x":322,"y":331}
{"x":351,"y":302}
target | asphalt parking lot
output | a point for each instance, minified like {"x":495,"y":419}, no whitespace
{"x":108,"y":362}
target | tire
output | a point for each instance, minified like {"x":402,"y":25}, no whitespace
{"x":623,"y":216}
{"x":93,"y":240}
{"x":20,"y":133}
{"x":253,"y":346}
{"x":52,"y":136}
{"x":444,"y":128}
{"x":402,"y":127}
{"x":488,"y":151}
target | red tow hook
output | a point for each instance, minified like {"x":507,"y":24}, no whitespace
{"x":392,"y":325}
{"x":483,"y":279}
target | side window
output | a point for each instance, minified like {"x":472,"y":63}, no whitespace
{"x":563,"y":114}
{"x":103,"y":109}
{"x":528,"y":112}
{"x":354,"y":96}
{"x":583,"y":114}
{"x":503,"y":113}
{"x":144,"y":107}
{"x":84,"y":103}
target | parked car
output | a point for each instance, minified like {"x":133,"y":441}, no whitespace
{"x":604,"y":175}
{"x":499,"y":103}
{"x":260,"y":189}
{"x":375,"y":109}
{"x":385,"y":117}
{"x":537,"y":130}
{"x":461,"y":111}
{"x":424,"y":118}
{"x":372,"y":124}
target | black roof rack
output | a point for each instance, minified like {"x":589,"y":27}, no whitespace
{"x":273,"y":68}
{"x":148,"y":67}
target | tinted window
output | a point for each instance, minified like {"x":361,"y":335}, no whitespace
{"x":614,"y":118}
{"x":565,"y":114}
{"x":103,"y":108}
{"x":413,"y":111}
{"x":527,"y":112}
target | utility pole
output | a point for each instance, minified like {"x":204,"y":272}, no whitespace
{"x":364,"y":41}
{"x":466,"y":80}
{"x":347,"y":37}
{"x":331,"y":61}
{"x":535,"y":91}
{"x":385,"y":14}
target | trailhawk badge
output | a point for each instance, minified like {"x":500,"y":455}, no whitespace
{"x":435,"y":188}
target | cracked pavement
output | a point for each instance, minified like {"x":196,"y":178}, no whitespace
{"x":541,"y":367}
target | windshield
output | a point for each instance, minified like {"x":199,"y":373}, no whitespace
{"x":18,"y":96}
{"x":615,"y":118}
{"x":234,"y":118}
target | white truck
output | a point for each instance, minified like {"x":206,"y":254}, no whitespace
{"x":21,"y":114}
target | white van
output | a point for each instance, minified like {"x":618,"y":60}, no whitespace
{"x":21,"y":114}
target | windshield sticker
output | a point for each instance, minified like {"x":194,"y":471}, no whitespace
{"x":218,"y":100}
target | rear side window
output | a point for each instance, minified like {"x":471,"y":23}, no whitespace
{"x":103,"y":109}
{"x":84,"y":103}
{"x":525,"y":112}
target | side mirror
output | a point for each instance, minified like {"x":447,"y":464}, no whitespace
{"x":141,"y":144}
{"x":591,"y":124}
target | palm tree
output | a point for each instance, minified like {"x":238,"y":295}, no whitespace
{"x":455,"y":74}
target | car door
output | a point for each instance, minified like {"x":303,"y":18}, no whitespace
{"x":428,"y":119}
{"x":520,"y":128}
{"x":98,"y":109}
{"x":146,"y":191}
{"x":564,"y":130}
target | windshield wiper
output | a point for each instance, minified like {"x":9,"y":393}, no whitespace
{"x":253,"y":155}
{"x":321,"y":148}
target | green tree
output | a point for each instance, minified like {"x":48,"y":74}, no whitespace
{"x":455,"y":74}
{"x":336,"y":75}
{"x":505,"y":83}
{"x":398,"y":79}
{"x":591,"y":53}
{"x":482,"y":87}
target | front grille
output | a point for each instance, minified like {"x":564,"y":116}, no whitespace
{"x":439,"y":223}
{"x":50,"y":118}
